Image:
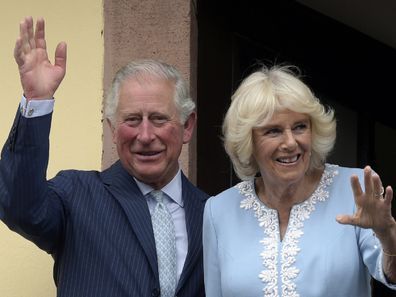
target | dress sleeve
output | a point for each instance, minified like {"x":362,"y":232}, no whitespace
{"x":372,"y":255}
{"x":212,"y":272}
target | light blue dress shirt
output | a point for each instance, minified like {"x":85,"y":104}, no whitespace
{"x":35,"y":108}
{"x":174,"y":202}
{"x":318,"y":257}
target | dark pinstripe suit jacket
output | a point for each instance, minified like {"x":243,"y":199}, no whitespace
{"x":96,"y":225}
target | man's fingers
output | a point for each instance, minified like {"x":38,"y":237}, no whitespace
{"x":18,"y":51}
{"x":23,"y":35}
{"x":61,"y":55}
{"x":31,"y":40}
{"x":39,"y":35}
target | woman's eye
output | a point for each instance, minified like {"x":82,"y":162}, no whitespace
{"x":272,"y":132}
{"x":301,"y":127}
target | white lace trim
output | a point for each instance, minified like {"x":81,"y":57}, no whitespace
{"x":268,"y":220}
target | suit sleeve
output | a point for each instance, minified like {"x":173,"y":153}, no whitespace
{"x":212,"y":273}
{"x":27,"y":204}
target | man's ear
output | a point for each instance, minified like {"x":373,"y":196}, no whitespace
{"x":112,"y":128}
{"x":189,"y":127}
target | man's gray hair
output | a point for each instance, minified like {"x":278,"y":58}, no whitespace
{"x":144,"y":70}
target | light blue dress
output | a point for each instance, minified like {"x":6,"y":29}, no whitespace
{"x":318,"y":257}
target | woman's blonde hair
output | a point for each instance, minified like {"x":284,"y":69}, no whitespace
{"x":254,"y":102}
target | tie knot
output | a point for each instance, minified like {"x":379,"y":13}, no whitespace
{"x":158,"y":195}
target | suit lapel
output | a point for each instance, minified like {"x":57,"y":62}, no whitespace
{"x":124,"y":189}
{"x":194,"y":204}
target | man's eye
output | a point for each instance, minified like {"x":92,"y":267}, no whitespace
{"x":159,"y":120}
{"x":133,"y":121}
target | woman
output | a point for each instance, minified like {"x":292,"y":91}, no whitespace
{"x":295,"y":225}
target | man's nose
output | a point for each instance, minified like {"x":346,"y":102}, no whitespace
{"x":146,"y":131}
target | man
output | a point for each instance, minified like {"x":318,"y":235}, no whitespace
{"x":103,"y":228}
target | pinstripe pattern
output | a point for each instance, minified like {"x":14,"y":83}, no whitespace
{"x":96,"y":225}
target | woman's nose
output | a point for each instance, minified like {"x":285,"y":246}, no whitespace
{"x":289,"y":140}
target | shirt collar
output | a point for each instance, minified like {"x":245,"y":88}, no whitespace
{"x":173,"y":189}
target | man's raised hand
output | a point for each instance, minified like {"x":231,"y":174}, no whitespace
{"x":40,"y":79}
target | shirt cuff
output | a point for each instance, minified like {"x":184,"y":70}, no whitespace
{"x":36,"y":108}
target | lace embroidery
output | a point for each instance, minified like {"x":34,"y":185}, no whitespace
{"x":268,"y":220}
